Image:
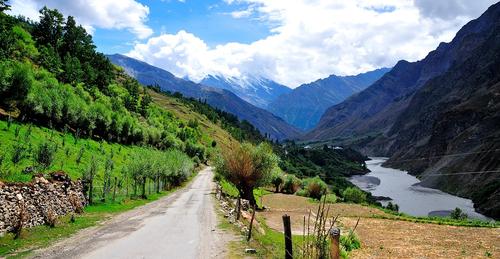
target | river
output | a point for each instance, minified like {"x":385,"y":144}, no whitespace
{"x":404,"y":190}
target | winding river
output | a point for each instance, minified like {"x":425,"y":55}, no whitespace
{"x":404,"y":190}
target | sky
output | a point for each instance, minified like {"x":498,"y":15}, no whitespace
{"x":289,"y":41}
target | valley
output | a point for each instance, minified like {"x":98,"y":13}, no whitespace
{"x":294,"y":130}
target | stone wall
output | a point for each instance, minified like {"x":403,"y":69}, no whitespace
{"x":41,"y":198}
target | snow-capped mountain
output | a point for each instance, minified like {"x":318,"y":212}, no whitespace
{"x":258,"y":91}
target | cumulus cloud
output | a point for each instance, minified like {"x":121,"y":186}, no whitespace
{"x":313,"y":39}
{"x":106,"y":14}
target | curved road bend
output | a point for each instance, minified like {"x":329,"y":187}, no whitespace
{"x":182,"y":225}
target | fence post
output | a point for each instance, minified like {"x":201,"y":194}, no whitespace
{"x":335,"y":243}
{"x":288,"y":237}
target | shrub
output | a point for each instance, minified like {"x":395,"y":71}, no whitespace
{"x":45,"y":154}
{"x":329,"y":198}
{"x":350,"y":242}
{"x":392,"y":206}
{"x":458,"y":214}
{"x":17,"y":153}
{"x":315,"y":187}
{"x":291,"y":184}
{"x":277,"y":178}
{"x":50,"y":217}
{"x":355,"y":195}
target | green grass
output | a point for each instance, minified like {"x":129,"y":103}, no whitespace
{"x":43,"y":236}
{"x":65,"y":143}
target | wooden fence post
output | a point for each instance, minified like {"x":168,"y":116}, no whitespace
{"x":288,"y":237}
{"x":335,"y":243}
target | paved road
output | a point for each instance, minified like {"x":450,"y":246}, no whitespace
{"x":182,"y":225}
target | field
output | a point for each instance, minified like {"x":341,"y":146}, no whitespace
{"x":389,"y":237}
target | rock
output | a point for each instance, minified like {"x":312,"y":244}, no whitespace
{"x":19,"y":197}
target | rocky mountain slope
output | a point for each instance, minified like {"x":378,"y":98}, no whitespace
{"x":266,"y":122}
{"x":304,"y":106}
{"x":255,"y":90}
{"x":375,"y":109}
{"x":439,"y":118}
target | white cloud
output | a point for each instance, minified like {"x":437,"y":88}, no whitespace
{"x":106,"y":14}
{"x":313,"y":39}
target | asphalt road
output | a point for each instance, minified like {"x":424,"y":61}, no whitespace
{"x":182,"y":225}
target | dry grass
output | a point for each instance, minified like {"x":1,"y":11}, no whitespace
{"x":386,"y":238}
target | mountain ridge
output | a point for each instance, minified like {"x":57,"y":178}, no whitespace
{"x":266,"y":122}
{"x":258,"y":91}
{"x":304,"y":105}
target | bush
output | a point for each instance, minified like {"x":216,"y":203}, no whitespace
{"x":291,"y":184}
{"x":355,"y":195}
{"x":45,"y":154}
{"x":277,"y":178}
{"x":315,"y":187}
{"x":329,"y":198}
{"x":350,"y":242}
{"x":458,"y":214}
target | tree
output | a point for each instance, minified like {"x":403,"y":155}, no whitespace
{"x":49,"y":31}
{"x":4,"y":6}
{"x":277,"y":179}
{"x":248,"y":167}
{"x":457,"y":213}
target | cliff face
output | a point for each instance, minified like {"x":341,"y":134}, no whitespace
{"x":374,"y":110}
{"x":456,"y":115}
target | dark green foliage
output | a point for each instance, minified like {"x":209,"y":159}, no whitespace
{"x":49,"y":31}
{"x":393,"y":207}
{"x":79,"y":156}
{"x":45,"y":153}
{"x":15,"y":81}
{"x":4,"y":6}
{"x":331,"y":165}
{"x":457,"y":213}
{"x":17,"y":153}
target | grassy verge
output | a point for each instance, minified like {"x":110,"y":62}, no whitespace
{"x":43,"y":236}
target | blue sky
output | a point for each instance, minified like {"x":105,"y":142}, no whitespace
{"x":208,"y":19}
{"x":289,"y":41}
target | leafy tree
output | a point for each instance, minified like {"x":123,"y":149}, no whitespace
{"x":291,"y":184}
{"x":248,"y":167}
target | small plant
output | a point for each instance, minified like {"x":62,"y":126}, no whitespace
{"x":458,"y":214}
{"x":392,"y":206}
{"x":28,"y":132}
{"x":50,"y":217}
{"x":79,"y":156}
{"x":76,"y":203}
{"x":330,"y":198}
{"x":67,"y":151}
{"x":45,"y":154}
{"x":17,"y":130}
{"x":21,"y":218}
{"x":17,"y":153}
{"x":9,"y":122}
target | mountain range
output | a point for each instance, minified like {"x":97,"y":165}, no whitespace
{"x":267,"y":123}
{"x":304,"y":105}
{"x":438,"y":118}
{"x":256,"y":90}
